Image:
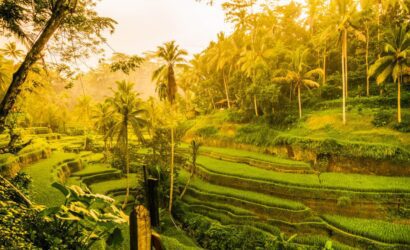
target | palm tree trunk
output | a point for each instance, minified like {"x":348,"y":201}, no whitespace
{"x":127,"y":166}
{"x":300,"y":103}
{"x":343,"y":82}
{"x":226,"y":89}
{"x":346,"y":78}
{"x":379,"y":4}
{"x":324,"y":66}
{"x":255,"y":105}
{"x":398,"y":98}
{"x":367,"y":63}
{"x":171,"y":189}
{"x":212,"y":99}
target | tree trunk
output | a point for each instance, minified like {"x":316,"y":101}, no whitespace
{"x":255,"y":105}
{"x":299,"y":103}
{"x":346,"y":78}
{"x":212,"y":99}
{"x":171,"y":189}
{"x":343,"y":81}
{"x":226,"y":90}
{"x":127,"y":166}
{"x":60,"y":10}
{"x":324,"y":66}
{"x":367,"y":63}
{"x":398,"y":98}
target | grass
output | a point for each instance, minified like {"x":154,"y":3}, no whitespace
{"x":356,"y":182}
{"x":173,"y":238}
{"x":104,"y":187}
{"x":229,"y":208}
{"x":267,"y":200}
{"x":91,"y":169}
{"x":373,"y":229}
{"x":40,"y":189}
{"x":255,"y":156}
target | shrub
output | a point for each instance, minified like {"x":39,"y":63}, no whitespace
{"x":238,"y":116}
{"x":212,"y":235}
{"x":382,"y":118}
{"x":404,"y":126}
{"x":207,"y":131}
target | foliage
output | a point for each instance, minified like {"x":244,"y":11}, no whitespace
{"x":382,"y":118}
{"x":207,"y":131}
{"x":404,"y":126}
{"x":212,"y":235}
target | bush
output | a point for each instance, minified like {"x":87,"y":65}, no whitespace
{"x":282,"y":119}
{"x":207,"y":131}
{"x":404,"y":126}
{"x":212,"y":235}
{"x":239,"y":116}
{"x":382,"y":118}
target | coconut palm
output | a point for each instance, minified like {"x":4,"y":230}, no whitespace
{"x":171,"y":56}
{"x":103,"y":121}
{"x":11,"y":50}
{"x":345,"y":9}
{"x":254,"y":59}
{"x":128,"y":114}
{"x":222,"y":55}
{"x":299,"y":75}
{"x":394,"y":60}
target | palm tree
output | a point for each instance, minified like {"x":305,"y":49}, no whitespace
{"x":394,"y":60}
{"x":103,"y":121}
{"x":12,"y":51}
{"x":299,"y":75}
{"x":171,"y":56}
{"x":345,"y":8}
{"x":127,"y":113}
{"x":254,"y":60}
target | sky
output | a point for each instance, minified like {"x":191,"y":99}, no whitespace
{"x":145,"y":24}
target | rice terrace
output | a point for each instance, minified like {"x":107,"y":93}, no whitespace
{"x":205,"y":124}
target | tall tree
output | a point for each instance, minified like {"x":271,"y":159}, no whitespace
{"x":299,"y":75}
{"x":128,"y":114}
{"x":103,"y":122}
{"x":171,"y":56}
{"x":345,"y":9}
{"x":75,"y":18}
{"x":394,"y":60}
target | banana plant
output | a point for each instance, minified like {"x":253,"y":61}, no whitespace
{"x":88,"y":217}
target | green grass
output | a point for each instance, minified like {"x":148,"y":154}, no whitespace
{"x":267,"y":200}
{"x":40,"y":190}
{"x":229,"y":208}
{"x":91,"y":169}
{"x":173,"y":238}
{"x":373,"y":229}
{"x":104,"y":187}
{"x":255,"y":156}
{"x":356,"y":182}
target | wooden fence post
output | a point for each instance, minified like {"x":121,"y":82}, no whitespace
{"x":140,"y":229}
{"x":153,"y":201}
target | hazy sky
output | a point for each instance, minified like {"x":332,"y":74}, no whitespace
{"x":145,"y":24}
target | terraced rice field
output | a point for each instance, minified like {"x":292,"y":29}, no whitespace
{"x":204,"y":198}
{"x":354,"y":182}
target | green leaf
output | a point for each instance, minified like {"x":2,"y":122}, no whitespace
{"x":63,"y":189}
{"x":115,"y":238}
